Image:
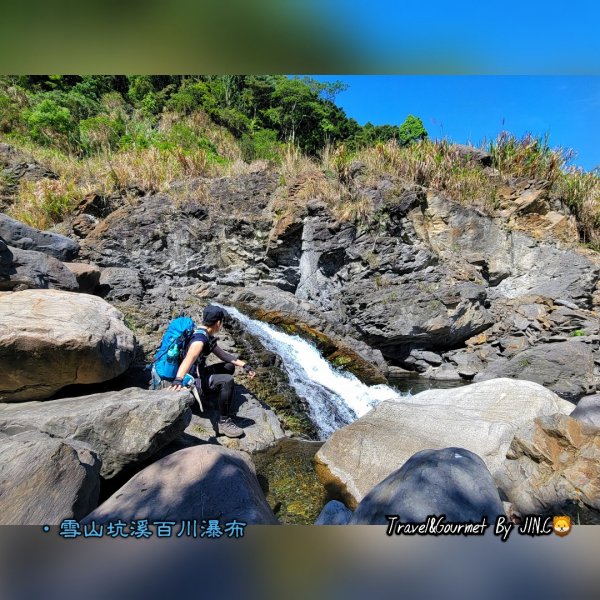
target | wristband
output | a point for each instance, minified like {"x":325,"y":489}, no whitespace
{"x":178,"y":381}
{"x":247,"y":368}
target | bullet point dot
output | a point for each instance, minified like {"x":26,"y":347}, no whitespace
{"x":46,"y":528}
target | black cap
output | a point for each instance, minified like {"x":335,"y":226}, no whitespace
{"x":212,"y":314}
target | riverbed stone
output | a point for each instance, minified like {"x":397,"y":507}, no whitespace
{"x":44,"y":480}
{"x":201,"y":483}
{"x":123,"y":427}
{"x":51,"y":338}
{"x":481,"y":418}
{"x":451,"y":481}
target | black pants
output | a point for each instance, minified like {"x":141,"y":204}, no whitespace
{"x":219,"y":378}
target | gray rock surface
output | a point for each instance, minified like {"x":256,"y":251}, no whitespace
{"x":566,"y":368}
{"x":334,"y":513}
{"x":204,"y":482}
{"x":482,"y":418}
{"x":25,"y":269}
{"x":20,"y":235}
{"x":123,"y":427}
{"x":452,"y":482}
{"x":120,"y":284}
{"x":44,"y":480}
{"x":421,"y":274}
{"x":515,"y":263}
{"x":260,"y":424}
{"x":588,"y":410}
{"x":50,"y":339}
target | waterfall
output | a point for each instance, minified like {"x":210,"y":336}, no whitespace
{"x":335,"y":398}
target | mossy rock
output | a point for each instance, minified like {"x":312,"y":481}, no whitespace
{"x":287,"y":475}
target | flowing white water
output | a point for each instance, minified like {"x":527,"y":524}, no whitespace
{"x":335,"y":398}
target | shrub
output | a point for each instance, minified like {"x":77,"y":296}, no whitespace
{"x":261,"y":145}
{"x":580,"y":191}
{"x":528,"y":156}
{"x":50,"y":123}
{"x":100,"y":133}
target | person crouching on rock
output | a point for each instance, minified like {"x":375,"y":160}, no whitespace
{"x":217,"y":377}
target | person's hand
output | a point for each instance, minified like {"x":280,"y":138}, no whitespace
{"x":176,"y":385}
{"x":249,"y":371}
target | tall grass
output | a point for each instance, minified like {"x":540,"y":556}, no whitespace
{"x":529,"y":156}
{"x":433,"y":164}
{"x":46,"y":202}
{"x":580,"y":190}
{"x":187,"y":150}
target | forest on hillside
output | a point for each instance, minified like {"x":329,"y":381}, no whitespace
{"x":84,"y":114}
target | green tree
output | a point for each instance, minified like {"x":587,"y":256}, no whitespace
{"x":49,"y":122}
{"x":411,"y":130}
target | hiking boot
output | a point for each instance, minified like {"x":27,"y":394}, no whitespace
{"x":229,"y":428}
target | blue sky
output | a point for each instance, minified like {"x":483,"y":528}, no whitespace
{"x":471,"y":108}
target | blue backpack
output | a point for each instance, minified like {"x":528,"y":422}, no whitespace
{"x":173,"y":347}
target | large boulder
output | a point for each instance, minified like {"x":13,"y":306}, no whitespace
{"x":204,"y":482}
{"x":46,"y":480}
{"x":24,"y":269}
{"x":23,"y":236}
{"x":452,"y":482}
{"x":553,"y":464}
{"x":334,"y":513}
{"x":123,"y":427}
{"x":482,"y":418}
{"x":50,"y":339}
{"x":588,"y":410}
{"x":566,"y":368}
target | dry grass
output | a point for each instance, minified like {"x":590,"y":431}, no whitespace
{"x":45,"y":202}
{"x":580,"y":191}
{"x":529,"y":157}
{"x":432,"y":164}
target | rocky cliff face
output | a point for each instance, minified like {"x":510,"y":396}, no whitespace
{"x":424,"y":284}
